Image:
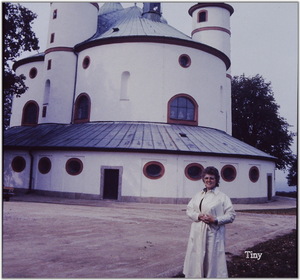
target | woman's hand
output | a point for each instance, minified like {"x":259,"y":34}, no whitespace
{"x":208,"y":219}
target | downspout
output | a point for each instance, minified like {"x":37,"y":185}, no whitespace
{"x":30,"y":173}
{"x":74,"y":93}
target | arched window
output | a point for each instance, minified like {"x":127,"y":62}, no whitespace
{"x":30,"y":113}
{"x":82,"y":108}
{"x":183,"y":109}
{"x":202,"y":16}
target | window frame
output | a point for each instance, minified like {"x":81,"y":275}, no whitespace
{"x":187,"y":122}
{"x":250,"y":170}
{"x":198,"y":16}
{"x":156,"y":163}
{"x":86,"y":62}
{"x":189,"y":61}
{"x":190,"y":165}
{"x":76,"y":120}
{"x":234,"y":172}
{"x":68,"y":169}
{"x":24,"y":113}
{"x":33,"y":73}
{"x":23,"y":164}
{"x":40,"y":163}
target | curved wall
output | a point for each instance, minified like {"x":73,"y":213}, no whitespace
{"x":154,"y":76}
{"x":133,"y":184}
{"x":72,"y":24}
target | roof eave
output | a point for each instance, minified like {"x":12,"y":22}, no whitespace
{"x":154,"y":39}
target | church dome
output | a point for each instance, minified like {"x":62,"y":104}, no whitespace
{"x":110,"y":7}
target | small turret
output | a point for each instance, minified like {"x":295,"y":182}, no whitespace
{"x":152,"y":11}
{"x":211,"y":25}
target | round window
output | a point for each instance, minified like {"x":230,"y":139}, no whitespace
{"x":74,"y":166}
{"x":86,"y":62}
{"x":32,"y":72}
{"x":254,"y":174}
{"x":184,"y":60}
{"x":153,"y":170}
{"x":44,"y":165}
{"x":193,"y":171}
{"x":228,"y":173}
{"x":18,"y":164}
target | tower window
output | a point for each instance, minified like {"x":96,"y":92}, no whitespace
{"x":183,"y":109}
{"x":49,"y":64}
{"x":202,"y":16}
{"x":52,"y":37}
{"x":30,"y":113}
{"x":55,"y":14}
{"x":82,"y":108}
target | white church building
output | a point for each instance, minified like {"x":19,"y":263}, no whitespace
{"x":123,"y":106}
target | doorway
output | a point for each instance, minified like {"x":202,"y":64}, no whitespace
{"x":269,"y":180}
{"x":111,"y":182}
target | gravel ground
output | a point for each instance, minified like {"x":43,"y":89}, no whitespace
{"x":279,"y":259}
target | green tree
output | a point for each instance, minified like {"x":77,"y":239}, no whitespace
{"x":256,"y":121}
{"x":292,"y":175}
{"x":17,"y":38}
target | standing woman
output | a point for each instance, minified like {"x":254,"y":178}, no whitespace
{"x":210,"y":210}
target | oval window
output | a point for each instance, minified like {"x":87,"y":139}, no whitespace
{"x":18,"y":164}
{"x":254,"y":174}
{"x":44,"y":165}
{"x":228,"y":173}
{"x":193,"y":171}
{"x":184,"y":60}
{"x":153,"y":170}
{"x":86,"y":62}
{"x":33,"y":73}
{"x":74,"y":166}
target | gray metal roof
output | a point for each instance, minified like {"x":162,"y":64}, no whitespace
{"x":130,"y":136}
{"x":130,"y":22}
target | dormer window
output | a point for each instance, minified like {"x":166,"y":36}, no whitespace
{"x":202,"y":16}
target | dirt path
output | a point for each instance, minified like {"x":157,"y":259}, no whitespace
{"x":128,"y":240}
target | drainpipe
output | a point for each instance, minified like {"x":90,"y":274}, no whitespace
{"x":30,"y":173}
{"x":74,"y":93}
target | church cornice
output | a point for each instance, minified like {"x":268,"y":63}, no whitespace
{"x":155,"y":39}
{"x":35,"y":58}
{"x":211,"y":4}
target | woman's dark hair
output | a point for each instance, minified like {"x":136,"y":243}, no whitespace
{"x":212,"y":171}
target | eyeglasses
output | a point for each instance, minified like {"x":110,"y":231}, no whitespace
{"x":211,"y":178}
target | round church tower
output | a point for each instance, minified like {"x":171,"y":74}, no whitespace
{"x":68,"y":25}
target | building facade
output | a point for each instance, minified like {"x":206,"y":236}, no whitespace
{"x":123,"y":106}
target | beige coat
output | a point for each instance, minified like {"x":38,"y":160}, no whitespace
{"x":205,"y":256}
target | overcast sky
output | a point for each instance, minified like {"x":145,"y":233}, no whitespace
{"x":264,"y":41}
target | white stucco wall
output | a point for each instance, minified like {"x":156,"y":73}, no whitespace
{"x":216,"y":18}
{"x":75,"y":23}
{"x":174,"y":183}
{"x":155,"y":76}
{"x":35,"y":88}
